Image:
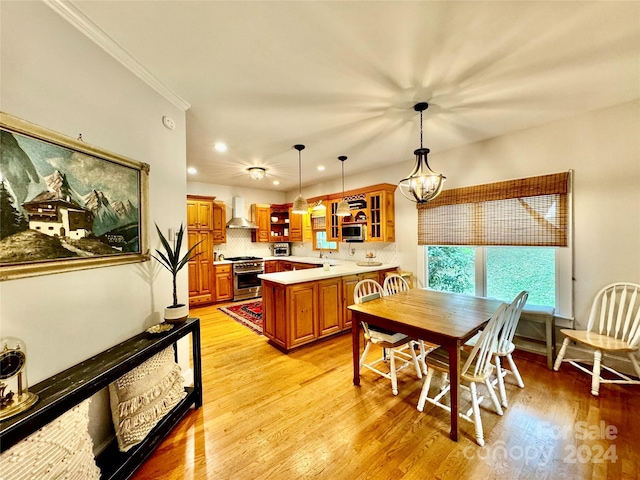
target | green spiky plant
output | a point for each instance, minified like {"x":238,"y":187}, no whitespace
{"x":170,"y":258}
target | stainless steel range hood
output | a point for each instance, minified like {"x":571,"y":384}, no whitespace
{"x":237,"y":215}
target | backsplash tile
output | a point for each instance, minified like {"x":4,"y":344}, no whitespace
{"x":239,"y":244}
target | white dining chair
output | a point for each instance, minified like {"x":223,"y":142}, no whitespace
{"x":476,"y":369}
{"x":505,"y":346}
{"x":613,"y":328}
{"x":391,"y":342}
{"x":393,"y":284}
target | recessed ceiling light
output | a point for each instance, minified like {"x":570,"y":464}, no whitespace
{"x":276,"y":182}
{"x":220,"y":147}
{"x":192,"y":170}
{"x":321,"y":168}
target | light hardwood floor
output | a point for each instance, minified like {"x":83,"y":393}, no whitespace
{"x":268,"y":415}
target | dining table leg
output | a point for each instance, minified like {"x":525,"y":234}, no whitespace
{"x":454,"y":392}
{"x":355,"y":343}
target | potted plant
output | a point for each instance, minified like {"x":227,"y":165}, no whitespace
{"x":170,"y":259}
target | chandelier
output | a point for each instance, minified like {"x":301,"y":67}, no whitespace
{"x":422,"y":184}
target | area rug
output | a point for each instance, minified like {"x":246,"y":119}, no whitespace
{"x":247,"y":313}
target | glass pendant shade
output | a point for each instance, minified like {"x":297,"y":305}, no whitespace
{"x":343,"y":209}
{"x":422,"y":184}
{"x":257,"y":173}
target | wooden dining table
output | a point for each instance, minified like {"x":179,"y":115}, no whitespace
{"x":446,"y":319}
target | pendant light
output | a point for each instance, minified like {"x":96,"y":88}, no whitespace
{"x":422,"y":184}
{"x":300,"y":203}
{"x":343,"y":209}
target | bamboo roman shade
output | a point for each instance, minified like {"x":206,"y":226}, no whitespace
{"x":524,"y":212}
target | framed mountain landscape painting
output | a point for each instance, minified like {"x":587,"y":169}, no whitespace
{"x":66,"y":205}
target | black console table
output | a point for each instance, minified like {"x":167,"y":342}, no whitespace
{"x":63,"y":391}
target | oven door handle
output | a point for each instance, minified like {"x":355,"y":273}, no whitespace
{"x":249,"y":271}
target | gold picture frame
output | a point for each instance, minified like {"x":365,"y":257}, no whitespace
{"x":67,"y":205}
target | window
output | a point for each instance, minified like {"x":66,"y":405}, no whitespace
{"x":497,"y":272}
{"x":452,"y":269}
{"x":320,"y":241}
{"x":498,"y":239}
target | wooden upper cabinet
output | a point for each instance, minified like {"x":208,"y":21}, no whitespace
{"x":296,"y":221}
{"x":381,"y":221}
{"x":260,"y":216}
{"x":199,"y":213}
{"x":334,"y":233}
{"x":219,"y":223}
{"x":279,"y":223}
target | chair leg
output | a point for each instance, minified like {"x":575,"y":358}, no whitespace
{"x":364,"y":353}
{"x":494,"y":397}
{"x":515,"y":371}
{"x":415,"y":360}
{"x":394,"y":374}
{"x":422,"y":355}
{"x":424,"y":393}
{"x":477,"y":421}
{"x":595,"y":374}
{"x":561,"y":353}
{"x":634,"y":362}
{"x":500,"y":377}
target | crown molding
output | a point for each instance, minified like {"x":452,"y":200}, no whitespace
{"x":79,"y":20}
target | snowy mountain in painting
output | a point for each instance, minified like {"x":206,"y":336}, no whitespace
{"x":105,"y":217}
{"x":125,"y":211}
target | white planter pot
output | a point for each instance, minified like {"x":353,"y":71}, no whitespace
{"x":177,"y":314}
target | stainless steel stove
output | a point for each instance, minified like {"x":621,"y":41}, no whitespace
{"x":246,"y":284}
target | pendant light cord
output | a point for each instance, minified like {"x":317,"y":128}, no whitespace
{"x":299,"y":174}
{"x":421,"y":129}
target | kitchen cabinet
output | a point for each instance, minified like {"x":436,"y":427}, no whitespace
{"x":199,"y":212}
{"x":349,"y":284}
{"x":295,"y":226}
{"x":279,"y":226}
{"x":271,"y":266}
{"x":219,"y":223}
{"x":381,"y":204}
{"x":330,"y":306}
{"x":333,"y":221}
{"x":224,"y":282}
{"x":260,"y":215}
{"x":300,"y":227}
{"x":200,"y":267}
{"x":302,"y":313}
{"x":274,"y":314}
{"x":307,"y":231}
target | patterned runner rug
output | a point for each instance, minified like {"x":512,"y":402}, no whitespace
{"x":248,"y":313}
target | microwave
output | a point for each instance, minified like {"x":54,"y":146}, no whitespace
{"x":281,"y":250}
{"x":354,"y":232}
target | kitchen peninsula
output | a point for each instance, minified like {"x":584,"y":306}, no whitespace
{"x":302,"y":306}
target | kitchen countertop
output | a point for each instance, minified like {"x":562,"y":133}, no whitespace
{"x":338,"y":268}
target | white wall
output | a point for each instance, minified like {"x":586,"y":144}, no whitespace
{"x":53,"y":76}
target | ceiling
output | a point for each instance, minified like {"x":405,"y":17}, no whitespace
{"x":343,"y":77}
